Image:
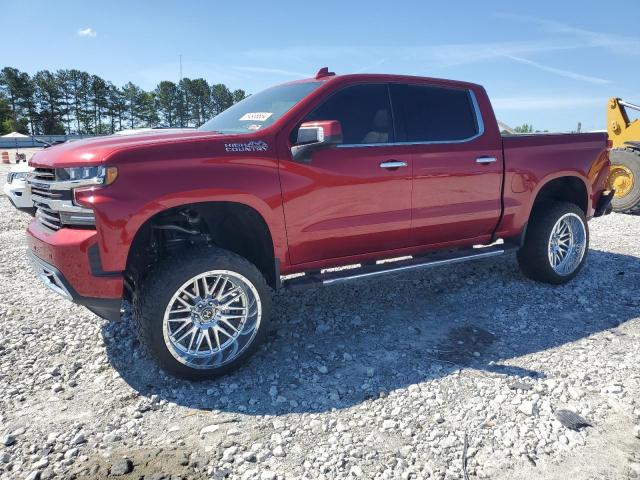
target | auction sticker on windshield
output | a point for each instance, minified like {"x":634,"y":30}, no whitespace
{"x":256,"y":116}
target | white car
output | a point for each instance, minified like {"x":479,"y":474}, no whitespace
{"x":16,"y":188}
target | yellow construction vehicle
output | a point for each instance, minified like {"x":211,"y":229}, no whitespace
{"x":625,"y":156}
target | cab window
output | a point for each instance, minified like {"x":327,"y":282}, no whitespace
{"x":435,"y":114}
{"x":363,"y":111}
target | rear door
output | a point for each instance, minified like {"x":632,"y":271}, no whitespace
{"x":349,"y":199}
{"x":457,"y":169}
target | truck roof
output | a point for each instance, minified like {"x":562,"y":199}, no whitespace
{"x":383,"y":77}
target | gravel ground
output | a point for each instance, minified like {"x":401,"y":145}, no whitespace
{"x":381,"y":379}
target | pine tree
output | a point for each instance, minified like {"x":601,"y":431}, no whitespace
{"x":116,"y":107}
{"x":221,"y":98}
{"x":63,"y":80}
{"x":239,"y":95}
{"x":133,"y":95}
{"x":167,"y":95}
{"x":200,"y":101}
{"x":99,"y":100}
{"x":184,"y":103}
{"x":73,"y":101}
{"x":50,"y":103}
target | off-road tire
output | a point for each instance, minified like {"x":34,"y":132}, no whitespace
{"x":629,"y":158}
{"x":533,"y":257}
{"x":165,"y":279}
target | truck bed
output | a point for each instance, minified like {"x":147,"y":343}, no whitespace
{"x":533,"y":160}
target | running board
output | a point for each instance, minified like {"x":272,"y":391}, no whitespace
{"x":435,"y":259}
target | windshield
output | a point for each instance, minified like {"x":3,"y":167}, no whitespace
{"x":260,"y":110}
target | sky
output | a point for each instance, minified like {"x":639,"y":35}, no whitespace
{"x":547,"y":63}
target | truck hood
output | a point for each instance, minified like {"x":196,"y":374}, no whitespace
{"x":93,"y":151}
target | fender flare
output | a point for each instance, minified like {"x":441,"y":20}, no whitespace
{"x":145,"y":212}
{"x":555,"y":176}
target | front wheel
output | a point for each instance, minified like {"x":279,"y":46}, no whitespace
{"x":202,"y":314}
{"x":556,"y":243}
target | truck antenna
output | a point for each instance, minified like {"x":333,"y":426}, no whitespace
{"x":324,"y":72}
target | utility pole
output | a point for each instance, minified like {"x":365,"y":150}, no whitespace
{"x":180,"y":95}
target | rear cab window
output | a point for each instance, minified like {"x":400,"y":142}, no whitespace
{"x":428,"y":113}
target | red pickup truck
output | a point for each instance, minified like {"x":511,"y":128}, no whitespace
{"x":387,"y":172}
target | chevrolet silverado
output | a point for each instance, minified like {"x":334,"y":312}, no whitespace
{"x":386,"y":173}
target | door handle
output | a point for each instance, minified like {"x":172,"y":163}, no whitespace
{"x":486,"y":160}
{"x":393,"y":164}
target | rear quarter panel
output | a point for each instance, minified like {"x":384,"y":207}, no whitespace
{"x":531,"y":161}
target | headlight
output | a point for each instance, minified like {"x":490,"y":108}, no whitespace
{"x":11,"y":176}
{"x":84,"y":179}
{"x":87,"y":176}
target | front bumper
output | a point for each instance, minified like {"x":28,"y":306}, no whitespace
{"x":18,"y":194}
{"x":65,"y":260}
{"x":54,"y":280}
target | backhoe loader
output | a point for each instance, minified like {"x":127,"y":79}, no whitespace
{"x":624,"y":135}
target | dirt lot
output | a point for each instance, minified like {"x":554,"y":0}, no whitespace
{"x":383,"y":379}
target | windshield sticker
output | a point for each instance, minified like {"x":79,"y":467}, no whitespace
{"x":254,"y":126}
{"x":256,"y":116}
{"x":257,"y":146}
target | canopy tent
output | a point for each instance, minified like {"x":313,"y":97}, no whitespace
{"x":14,"y":135}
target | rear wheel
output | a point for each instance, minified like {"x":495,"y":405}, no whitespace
{"x":202,"y":314}
{"x":556,"y":243}
{"x":624,"y":178}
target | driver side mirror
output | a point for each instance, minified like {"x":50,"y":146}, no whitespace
{"x":313,"y":136}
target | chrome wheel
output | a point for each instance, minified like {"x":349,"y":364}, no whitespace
{"x":567,"y":244}
{"x":212,"y":319}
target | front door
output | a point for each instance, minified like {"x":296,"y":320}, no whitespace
{"x":349,"y":199}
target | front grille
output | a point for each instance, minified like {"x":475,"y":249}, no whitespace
{"x":52,"y":196}
{"x":48,"y":174}
{"x":45,"y":193}
{"x":46,"y":216}
{"x":41,"y":183}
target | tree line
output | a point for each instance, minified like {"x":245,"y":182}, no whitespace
{"x":76,"y":102}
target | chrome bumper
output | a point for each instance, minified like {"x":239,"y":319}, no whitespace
{"x":49,"y":275}
{"x":107,"y":308}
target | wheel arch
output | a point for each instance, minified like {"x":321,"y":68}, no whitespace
{"x":563,"y":188}
{"x":232,"y":225}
